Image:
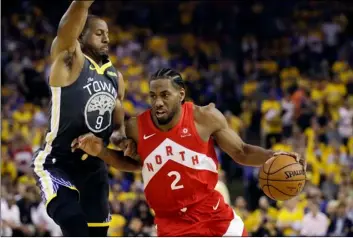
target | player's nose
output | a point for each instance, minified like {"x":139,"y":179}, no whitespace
{"x":159,"y":103}
{"x":105,"y":39}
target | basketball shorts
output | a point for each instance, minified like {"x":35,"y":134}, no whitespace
{"x":88,"y":180}
{"x":209,"y":217}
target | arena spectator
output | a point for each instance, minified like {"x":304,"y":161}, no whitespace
{"x":315,"y":223}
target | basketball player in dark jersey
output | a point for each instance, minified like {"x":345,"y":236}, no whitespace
{"x":86,"y":97}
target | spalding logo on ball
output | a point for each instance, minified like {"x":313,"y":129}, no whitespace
{"x":282,"y":178}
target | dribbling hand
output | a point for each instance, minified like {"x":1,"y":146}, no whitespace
{"x":89,"y":143}
{"x":296,"y":156}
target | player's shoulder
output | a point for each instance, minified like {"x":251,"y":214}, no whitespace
{"x":208,"y":115}
{"x":132,"y":121}
{"x":208,"y":112}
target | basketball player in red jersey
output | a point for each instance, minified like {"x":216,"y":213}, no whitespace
{"x":179,"y":164}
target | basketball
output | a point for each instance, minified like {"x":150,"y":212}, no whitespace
{"x":282,"y":177}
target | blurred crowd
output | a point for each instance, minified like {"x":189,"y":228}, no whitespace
{"x":281,"y":73}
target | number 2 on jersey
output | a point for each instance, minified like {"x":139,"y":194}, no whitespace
{"x":177,"y":176}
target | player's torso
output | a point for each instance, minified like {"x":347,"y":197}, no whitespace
{"x":179,"y":169}
{"x":85,"y":106}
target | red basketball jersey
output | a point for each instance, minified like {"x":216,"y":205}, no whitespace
{"x":179,"y":168}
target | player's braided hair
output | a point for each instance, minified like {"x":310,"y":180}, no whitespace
{"x":170,"y":74}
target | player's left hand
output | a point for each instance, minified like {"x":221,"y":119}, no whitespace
{"x":129,"y":147}
{"x":126,"y":144}
{"x":89,"y":143}
{"x":296,"y":156}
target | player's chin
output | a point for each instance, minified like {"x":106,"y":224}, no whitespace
{"x":104,"y":53}
{"x":162,"y":119}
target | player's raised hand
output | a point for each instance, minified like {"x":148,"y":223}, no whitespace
{"x":295,"y":155}
{"x":89,"y":143}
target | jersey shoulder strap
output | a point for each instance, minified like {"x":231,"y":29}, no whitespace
{"x":112,"y":74}
{"x":144,"y":123}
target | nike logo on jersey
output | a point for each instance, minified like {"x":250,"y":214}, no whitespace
{"x":145,"y":137}
{"x":113,"y":74}
{"x":215,"y":207}
{"x":90,"y":79}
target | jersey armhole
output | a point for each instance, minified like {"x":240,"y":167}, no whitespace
{"x":140,"y":132}
{"x":190,"y":108}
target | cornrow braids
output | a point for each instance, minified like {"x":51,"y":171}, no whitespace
{"x":170,"y":74}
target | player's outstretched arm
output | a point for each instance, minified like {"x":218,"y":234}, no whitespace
{"x":229,"y":141}
{"x":94,"y":146}
{"x":70,"y":27}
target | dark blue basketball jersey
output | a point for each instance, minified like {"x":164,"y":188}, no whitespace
{"x":85,"y":106}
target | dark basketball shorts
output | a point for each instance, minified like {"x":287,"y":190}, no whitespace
{"x":89,"y":179}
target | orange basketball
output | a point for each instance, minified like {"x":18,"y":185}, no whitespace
{"x":282,"y":177}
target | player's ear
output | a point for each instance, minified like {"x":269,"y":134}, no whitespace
{"x":182,"y":94}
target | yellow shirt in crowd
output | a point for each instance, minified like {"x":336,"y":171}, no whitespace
{"x":273,"y":125}
{"x":117,"y":224}
{"x":290,"y":217}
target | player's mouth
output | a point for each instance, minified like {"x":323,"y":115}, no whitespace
{"x":105,"y":48}
{"x":160,"y":113}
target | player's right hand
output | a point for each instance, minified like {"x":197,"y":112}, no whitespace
{"x":89,"y":143}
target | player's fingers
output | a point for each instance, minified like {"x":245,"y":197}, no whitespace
{"x":74,"y":145}
{"x":74,"y":142}
{"x":303,"y":162}
{"x":74,"y":148}
{"x":127,"y":152}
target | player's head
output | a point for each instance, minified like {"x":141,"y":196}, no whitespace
{"x":167,"y":93}
{"x":94,"y":38}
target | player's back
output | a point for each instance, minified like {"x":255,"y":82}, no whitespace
{"x":180,"y":172}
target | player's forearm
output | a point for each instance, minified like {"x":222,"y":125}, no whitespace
{"x":253,"y":155}
{"x":72,"y":23}
{"x":118,"y":160}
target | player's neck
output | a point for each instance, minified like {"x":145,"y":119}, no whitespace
{"x":97,"y":59}
{"x":171,"y":124}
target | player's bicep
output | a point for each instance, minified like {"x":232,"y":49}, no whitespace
{"x":72,"y":24}
{"x":229,"y":141}
{"x":118,"y":115}
{"x":131,"y":129}
{"x":121,"y":89}
{"x":226,"y":138}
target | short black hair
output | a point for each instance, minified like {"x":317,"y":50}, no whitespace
{"x":90,"y":17}
{"x":167,"y":73}
{"x":170,"y":74}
